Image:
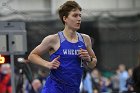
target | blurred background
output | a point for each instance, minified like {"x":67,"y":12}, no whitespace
{"x":113,"y":25}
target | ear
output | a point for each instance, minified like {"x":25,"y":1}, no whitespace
{"x":64,"y":18}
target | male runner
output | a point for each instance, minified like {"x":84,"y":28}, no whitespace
{"x":67,"y":48}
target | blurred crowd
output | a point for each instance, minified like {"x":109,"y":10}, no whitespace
{"x":94,"y":81}
{"x":118,"y":82}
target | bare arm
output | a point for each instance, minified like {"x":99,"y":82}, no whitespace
{"x":45,"y":46}
{"x":89,"y":54}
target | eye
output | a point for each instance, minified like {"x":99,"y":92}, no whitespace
{"x":76,"y":15}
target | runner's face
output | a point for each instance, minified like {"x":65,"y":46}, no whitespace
{"x":73,"y":20}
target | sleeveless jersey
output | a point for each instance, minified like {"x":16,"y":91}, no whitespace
{"x":70,"y":70}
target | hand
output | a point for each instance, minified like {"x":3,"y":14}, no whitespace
{"x":83,"y":54}
{"x":54,"y":64}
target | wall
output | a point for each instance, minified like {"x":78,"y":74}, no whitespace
{"x":91,"y":7}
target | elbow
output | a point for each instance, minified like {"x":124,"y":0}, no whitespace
{"x":30,"y":57}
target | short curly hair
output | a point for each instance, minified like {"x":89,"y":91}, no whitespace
{"x":66,"y":8}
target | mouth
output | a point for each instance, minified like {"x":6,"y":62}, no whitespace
{"x":78,"y":23}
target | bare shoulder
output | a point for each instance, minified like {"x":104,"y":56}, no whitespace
{"x":51,"y":38}
{"x":86,"y":37}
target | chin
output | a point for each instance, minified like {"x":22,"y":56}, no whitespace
{"x":77,"y":28}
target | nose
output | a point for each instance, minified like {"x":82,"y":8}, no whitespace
{"x":79,"y":18}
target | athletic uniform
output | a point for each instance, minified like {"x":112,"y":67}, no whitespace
{"x":66,"y":78}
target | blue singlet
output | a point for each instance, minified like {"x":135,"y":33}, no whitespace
{"x":67,"y":78}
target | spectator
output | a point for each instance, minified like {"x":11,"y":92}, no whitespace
{"x":129,"y":81}
{"x":115,"y":81}
{"x":5,"y":79}
{"x":36,"y":86}
{"x":87,"y":83}
{"x":98,"y":81}
{"x":95,"y":74}
{"x":42,"y":76}
{"x":123,"y":76}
